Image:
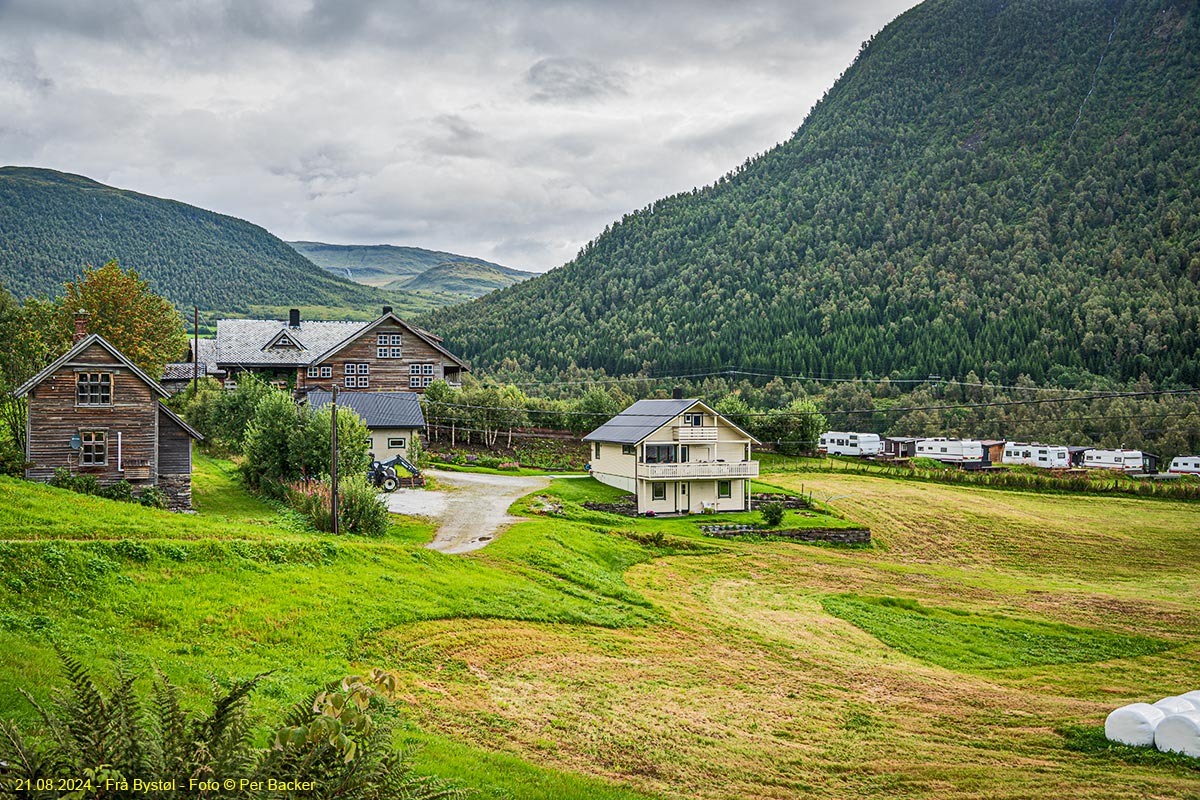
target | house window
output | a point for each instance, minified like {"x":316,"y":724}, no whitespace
{"x":351,"y":382}
{"x":95,"y":450}
{"x":93,"y":389}
{"x":658,"y":491}
{"x":660,"y":454}
{"x":397,"y":442}
{"x":313,"y":371}
{"x":382,"y":340}
{"x":364,"y":369}
{"x":397,"y":340}
{"x":326,"y":372}
{"x":363,"y":380}
{"x":628,"y":450}
{"x":352,"y":369}
{"x":414,"y":369}
{"x":695,"y":420}
{"x":414,"y":382}
{"x":396,"y":352}
{"x":724,"y":488}
{"x":597,"y":450}
{"x":683,"y":489}
{"x":427,"y":369}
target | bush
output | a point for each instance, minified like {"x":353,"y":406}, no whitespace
{"x":153,"y":497}
{"x":359,"y":509}
{"x":772,"y":514}
{"x":340,"y":739}
{"x":121,"y":491}
{"x":82,"y":484}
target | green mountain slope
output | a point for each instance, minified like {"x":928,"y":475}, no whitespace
{"x":51,"y":223}
{"x":388,"y":265}
{"x":467,"y":279}
{"x":1009,"y":187}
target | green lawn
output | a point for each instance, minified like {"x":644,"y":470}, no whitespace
{"x":583,"y":654}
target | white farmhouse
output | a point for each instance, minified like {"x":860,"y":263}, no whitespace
{"x":675,"y":456}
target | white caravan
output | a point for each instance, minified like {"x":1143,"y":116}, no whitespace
{"x":1122,"y":460}
{"x":952,"y":451}
{"x":1050,"y":456}
{"x":837,"y":443}
{"x":1185,"y":465}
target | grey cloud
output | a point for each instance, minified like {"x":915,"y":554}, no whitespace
{"x":569,"y":80}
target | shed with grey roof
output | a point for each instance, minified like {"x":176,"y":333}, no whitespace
{"x":393,"y":418}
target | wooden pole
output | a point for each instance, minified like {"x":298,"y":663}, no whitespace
{"x":333,"y":464}
{"x":195,"y":350}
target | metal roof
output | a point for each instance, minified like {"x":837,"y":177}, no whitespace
{"x":78,"y":348}
{"x":639,"y":421}
{"x":377,"y":409}
{"x":188,"y":429}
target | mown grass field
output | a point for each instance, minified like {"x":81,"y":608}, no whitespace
{"x":586,"y":655}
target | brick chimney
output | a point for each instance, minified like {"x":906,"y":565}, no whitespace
{"x":81,"y":318}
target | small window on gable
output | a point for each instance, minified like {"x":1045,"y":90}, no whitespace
{"x":397,"y":339}
{"x":381,"y":352}
{"x":397,"y":352}
{"x":397,"y":442}
{"x":382,"y":340}
{"x":93,"y":388}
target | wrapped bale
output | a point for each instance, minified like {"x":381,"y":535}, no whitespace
{"x":1133,"y":724}
{"x":1179,"y":733}
{"x":1194,"y":697}
{"x":1175,"y":705}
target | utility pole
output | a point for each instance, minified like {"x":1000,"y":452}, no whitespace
{"x":195,"y":350}
{"x":333,"y":464}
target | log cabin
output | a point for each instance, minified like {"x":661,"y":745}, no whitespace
{"x":94,"y":412}
{"x":386,"y":354}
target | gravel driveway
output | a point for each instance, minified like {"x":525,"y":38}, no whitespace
{"x":472,"y":510}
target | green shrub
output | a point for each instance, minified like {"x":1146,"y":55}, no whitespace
{"x":772,"y":514}
{"x":121,"y":491}
{"x":340,"y":739}
{"x":82,"y":484}
{"x":153,"y":497}
{"x":359,"y":509}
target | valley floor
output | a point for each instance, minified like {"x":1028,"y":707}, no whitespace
{"x":585,"y":655}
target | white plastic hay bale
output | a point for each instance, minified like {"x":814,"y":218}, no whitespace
{"x":1194,"y":697}
{"x":1133,"y":724}
{"x":1176,"y":705}
{"x":1179,"y":733}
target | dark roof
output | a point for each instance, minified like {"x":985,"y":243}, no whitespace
{"x":182,"y":371}
{"x":188,"y":429}
{"x":377,"y":409}
{"x":644,"y":417}
{"x":79,"y":347}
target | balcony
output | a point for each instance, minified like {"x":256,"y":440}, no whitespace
{"x":698,"y":470}
{"x":687,"y":434}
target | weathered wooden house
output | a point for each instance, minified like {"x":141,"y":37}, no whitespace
{"x":93,"y":412}
{"x":386,"y":354}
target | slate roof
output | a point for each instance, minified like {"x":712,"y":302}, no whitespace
{"x":377,"y":409}
{"x":78,"y":348}
{"x":182,"y":371}
{"x":241,"y":341}
{"x":639,"y":421}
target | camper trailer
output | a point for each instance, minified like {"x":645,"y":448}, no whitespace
{"x":968,"y":452}
{"x":1120,"y":460}
{"x":1033,"y":454}
{"x":1185,"y":465}
{"x":837,"y":443}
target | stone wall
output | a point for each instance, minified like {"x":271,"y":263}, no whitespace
{"x":178,"y":489}
{"x":831,"y":535}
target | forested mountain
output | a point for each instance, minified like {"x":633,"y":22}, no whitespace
{"x":1006,"y":187}
{"x":52,"y":223}
{"x":391,"y":266}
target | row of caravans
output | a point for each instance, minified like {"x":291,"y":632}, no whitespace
{"x":975,"y":453}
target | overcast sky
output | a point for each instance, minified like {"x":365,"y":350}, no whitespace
{"x":513,"y":131}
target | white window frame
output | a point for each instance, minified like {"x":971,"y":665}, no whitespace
{"x":396,"y":352}
{"x":364,"y":369}
{"x":392,"y":442}
{"x":327,"y":372}
{"x":414,"y":382}
{"x":363,"y":381}
{"x":414,"y":369}
{"x":351,"y":369}
{"x":351,"y":382}
{"x":381,"y":352}
{"x":314,"y":372}
{"x":382,"y":340}
{"x":427,"y":369}
{"x":397,"y":340}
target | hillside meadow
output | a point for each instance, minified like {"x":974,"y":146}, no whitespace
{"x":971,"y":651}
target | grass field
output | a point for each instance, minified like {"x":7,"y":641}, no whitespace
{"x":586,"y":655}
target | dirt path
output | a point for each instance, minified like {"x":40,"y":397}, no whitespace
{"x":472,"y":511}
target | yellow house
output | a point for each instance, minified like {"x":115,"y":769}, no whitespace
{"x":676,"y":456}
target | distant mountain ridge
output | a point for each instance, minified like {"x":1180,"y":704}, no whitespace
{"x":52,"y":223}
{"x":1010,"y":187}
{"x":411,"y":269}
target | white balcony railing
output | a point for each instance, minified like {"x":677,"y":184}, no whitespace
{"x":698,"y":470}
{"x":695,"y":433}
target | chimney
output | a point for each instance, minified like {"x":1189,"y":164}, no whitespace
{"x":387,"y":310}
{"x":294,"y":318}
{"x":677,"y":393}
{"x":81,"y":318}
